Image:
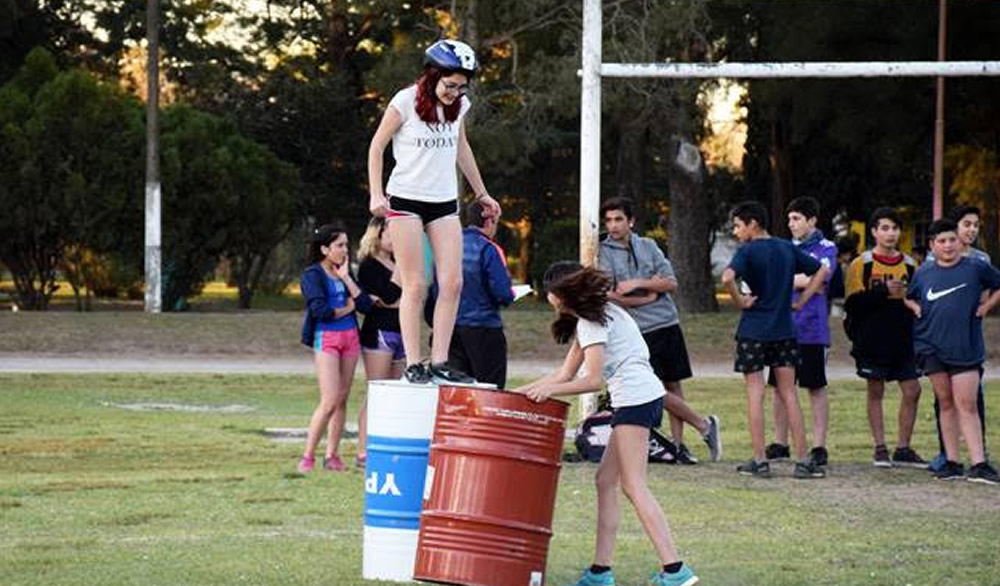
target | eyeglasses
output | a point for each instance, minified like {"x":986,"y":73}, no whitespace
{"x":459,"y":88}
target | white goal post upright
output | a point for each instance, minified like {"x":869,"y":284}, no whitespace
{"x":590,"y":106}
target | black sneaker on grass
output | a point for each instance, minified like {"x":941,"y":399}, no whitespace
{"x":713,"y":438}
{"x":777,"y":452}
{"x":756,"y":469}
{"x":983,"y":473}
{"x":819,"y":456}
{"x":684,"y":456}
{"x":417,"y":374}
{"x":808,"y":469}
{"x":950,"y":471}
{"x":908,"y":458}
{"x":443,"y":374}
{"x":880,"y":459}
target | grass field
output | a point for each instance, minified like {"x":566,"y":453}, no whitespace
{"x":276,"y":334}
{"x":92,"y":492}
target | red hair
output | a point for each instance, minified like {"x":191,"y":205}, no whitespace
{"x":427,"y":100}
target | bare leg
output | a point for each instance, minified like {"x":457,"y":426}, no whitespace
{"x":876,"y":392}
{"x":408,"y":247}
{"x":679,"y":410}
{"x":328,"y":377}
{"x":609,"y":512}
{"x":819,"y":401}
{"x":629,"y":443}
{"x":941,"y":383}
{"x":755,"y":411}
{"x":785,"y":377}
{"x":336,"y":425}
{"x":780,"y":420}
{"x":907,"y":411}
{"x":446,"y":241}
{"x":965,"y":387}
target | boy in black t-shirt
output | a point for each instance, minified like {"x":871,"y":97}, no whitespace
{"x":766,"y":333}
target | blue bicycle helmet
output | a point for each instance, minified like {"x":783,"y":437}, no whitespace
{"x":451,"y":56}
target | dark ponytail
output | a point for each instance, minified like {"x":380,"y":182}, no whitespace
{"x":323,"y":236}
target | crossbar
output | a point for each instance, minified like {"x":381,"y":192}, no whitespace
{"x":792,"y":70}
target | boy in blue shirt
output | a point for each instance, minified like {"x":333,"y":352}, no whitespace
{"x":766,"y":333}
{"x":946,"y":298}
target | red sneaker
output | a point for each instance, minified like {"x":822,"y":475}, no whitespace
{"x":306,"y":464}
{"x":333,"y":463}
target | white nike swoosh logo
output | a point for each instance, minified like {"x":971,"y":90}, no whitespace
{"x":932,"y":296}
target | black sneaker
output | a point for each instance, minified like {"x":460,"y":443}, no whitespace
{"x":417,"y":374}
{"x":950,"y":471}
{"x":880,"y":459}
{"x":908,"y":458}
{"x":808,"y":469}
{"x":819,"y":456}
{"x":443,"y":374}
{"x":754,"y":468}
{"x":777,"y":452}
{"x":713,"y":438}
{"x":684,"y":456}
{"x":984,"y":473}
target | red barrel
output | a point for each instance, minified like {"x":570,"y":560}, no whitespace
{"x":490,"y":491}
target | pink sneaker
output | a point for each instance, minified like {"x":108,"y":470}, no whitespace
{"x":306,"y":464}
{"x":333,"y":463}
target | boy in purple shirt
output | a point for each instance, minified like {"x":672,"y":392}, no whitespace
{"x":812,"y":332}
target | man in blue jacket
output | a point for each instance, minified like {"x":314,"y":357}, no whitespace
{"x":812,"y":333}
{"x":478,"y":344}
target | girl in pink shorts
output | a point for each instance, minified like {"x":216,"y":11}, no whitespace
{"x":331,"y":330}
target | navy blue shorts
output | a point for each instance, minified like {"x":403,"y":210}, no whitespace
{"x":648,"y":415}
{"x":931,"y":364}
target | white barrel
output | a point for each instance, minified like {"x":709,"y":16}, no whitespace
{"x":400,"y":424}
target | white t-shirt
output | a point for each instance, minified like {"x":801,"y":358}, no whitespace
{"x":631,"y":380}
{"x":426,"y":153}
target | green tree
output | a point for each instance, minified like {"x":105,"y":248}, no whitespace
{"x":223,"y":195}
{"x":68,"y":174}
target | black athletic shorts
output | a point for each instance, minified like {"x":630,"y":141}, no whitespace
{"x":428,"y":212}
{"x":811,"y":371}
{"x":754,"y":355}
{"x":481,"y":353}
{"x":903,"y":370}
{"x":648,"y":415}
{"x":668,"y":354}
{"x":931,"y":364}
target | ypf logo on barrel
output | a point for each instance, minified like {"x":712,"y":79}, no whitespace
{"x":394,"y":481}
{"x":387,"y":486}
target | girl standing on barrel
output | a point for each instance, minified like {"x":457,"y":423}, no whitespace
{"x":331,"y":330}
{"x":609,"y":346}
{"x":425,"y":123}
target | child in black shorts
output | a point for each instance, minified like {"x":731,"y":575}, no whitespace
{"x":766,"y":333}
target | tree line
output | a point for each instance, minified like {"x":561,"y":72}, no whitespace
{"x":268,"y":117}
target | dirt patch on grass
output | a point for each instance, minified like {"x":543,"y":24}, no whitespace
{"x":134,"y":519}
{"x":206,"y":479}
{"x":181,"y":407}
{"x":75,"y":485}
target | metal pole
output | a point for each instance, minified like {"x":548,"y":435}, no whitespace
{"x":802,"y":69}
{"x":590,"y":132}
{"x":938,"y":205}
{"x":153,"y":242}
{"x":590,"y":149}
